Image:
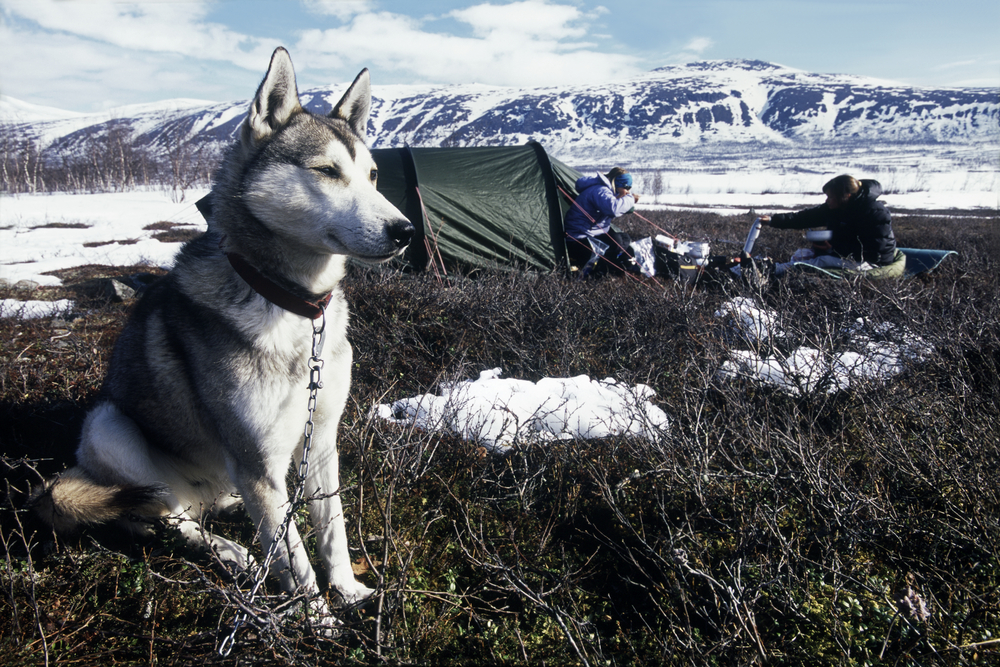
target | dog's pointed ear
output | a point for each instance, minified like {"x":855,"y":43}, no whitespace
{"x":356,"y":104}
{"x":276,"y":101}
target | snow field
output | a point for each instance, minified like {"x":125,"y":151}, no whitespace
{"x":763,"y":191}
{"x":44,"y":233}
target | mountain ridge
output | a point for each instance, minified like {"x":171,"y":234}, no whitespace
{"x":702,"y":107}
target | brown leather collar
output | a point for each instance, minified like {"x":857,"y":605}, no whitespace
{"x":275,"y":293}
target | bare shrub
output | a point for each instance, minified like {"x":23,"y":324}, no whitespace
{"x":851,"y":527}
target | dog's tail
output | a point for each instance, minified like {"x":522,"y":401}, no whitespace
{"x":72,"y":500}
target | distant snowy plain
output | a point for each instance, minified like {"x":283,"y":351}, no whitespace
{"x":44,"y":233}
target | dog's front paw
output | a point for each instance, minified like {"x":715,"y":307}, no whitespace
{"x":233,"y":554}
{"x":353,"y":592}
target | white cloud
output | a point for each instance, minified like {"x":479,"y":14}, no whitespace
{"x":341,"y":9}
{"x":58,"y":69}
{"x":698,"y":44}
{"x":692,"y":50}
{"x":177,"y":27}
{"x":527,"y":43}
{"x":87,"y":55}
{"x":947,"y":66}
{"x":535,"y":19}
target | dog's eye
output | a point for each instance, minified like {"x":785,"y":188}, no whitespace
{"x":373,"y":175}
{"x":328,"y":171}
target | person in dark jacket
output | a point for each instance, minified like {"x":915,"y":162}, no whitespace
{"x":592,"y":244}
{"x":861,"y":226}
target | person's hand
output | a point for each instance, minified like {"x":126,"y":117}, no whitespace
{"x":765,"y":220}
{"x":635,"y":195}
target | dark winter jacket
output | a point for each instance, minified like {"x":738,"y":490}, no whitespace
{"x":862,"y":227}
{"x":597,"y":198}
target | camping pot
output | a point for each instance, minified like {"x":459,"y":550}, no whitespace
{"x":699,"y":250}
{"x":818,"y":235}
{"x":666,"y":242}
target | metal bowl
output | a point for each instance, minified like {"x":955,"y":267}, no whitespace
{"x":699,"y":249}
{"x":818,"y":235}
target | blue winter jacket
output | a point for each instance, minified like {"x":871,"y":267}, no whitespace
{"x":597,"y":198}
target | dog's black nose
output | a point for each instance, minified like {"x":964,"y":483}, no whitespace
{"x":401,"y":232}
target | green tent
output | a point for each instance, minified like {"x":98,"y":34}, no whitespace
{"x":477,"y":207}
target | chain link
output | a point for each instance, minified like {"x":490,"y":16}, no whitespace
{"x":315,"y":384}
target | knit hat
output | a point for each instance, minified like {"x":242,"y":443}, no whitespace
{"x":623,"y":181}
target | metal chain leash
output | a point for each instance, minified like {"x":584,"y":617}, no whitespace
{"x":315,"y":384}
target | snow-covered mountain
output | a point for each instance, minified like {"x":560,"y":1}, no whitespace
{"x":707,"y":108}
{"x":16,"y":111}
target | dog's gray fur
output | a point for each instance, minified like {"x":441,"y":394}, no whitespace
{"x":206,"y":393}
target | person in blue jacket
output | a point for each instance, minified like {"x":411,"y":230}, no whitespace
{"x":861,"y":225}
{"x":591,"y":244}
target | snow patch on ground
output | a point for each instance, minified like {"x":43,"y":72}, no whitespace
{"x":33,"y":310}
{"x":873,"y":352}
{"x":498,"y":413}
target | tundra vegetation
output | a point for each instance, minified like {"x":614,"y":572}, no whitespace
{"x":857,"y":527}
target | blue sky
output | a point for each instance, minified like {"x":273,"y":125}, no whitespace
{"x":90,"y":55}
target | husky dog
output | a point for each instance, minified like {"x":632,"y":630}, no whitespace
{"x":207,"y":392}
